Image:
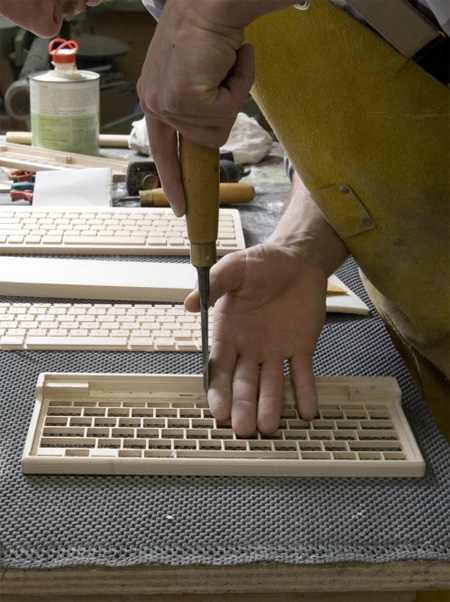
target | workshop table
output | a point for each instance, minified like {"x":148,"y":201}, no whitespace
{"x":222,"y":538}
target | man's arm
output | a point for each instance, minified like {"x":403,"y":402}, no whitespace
{"x":303,"y":228}
{"x":196,"y":77}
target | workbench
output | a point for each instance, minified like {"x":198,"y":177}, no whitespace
{"x":72,"y":537}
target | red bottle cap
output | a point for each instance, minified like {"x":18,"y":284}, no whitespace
{"x":65,"y":51}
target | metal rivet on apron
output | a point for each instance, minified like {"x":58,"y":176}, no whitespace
{"x":367,"y":222}
{"x":344,"y":188}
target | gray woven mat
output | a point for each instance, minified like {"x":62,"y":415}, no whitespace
{"x":54,"y":521}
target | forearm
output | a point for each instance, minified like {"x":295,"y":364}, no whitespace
{"x":304,"y":229}
{"x":196,"y":77}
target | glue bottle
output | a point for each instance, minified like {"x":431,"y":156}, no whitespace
{"x":65,"y":103}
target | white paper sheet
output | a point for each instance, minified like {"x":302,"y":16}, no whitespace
{"x":90,"y":187}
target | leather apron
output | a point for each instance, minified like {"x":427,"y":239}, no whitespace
{"x":368,"y":132}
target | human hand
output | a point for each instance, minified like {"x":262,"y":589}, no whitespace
{"x":269,"y":306}
{"x":195,"y":79}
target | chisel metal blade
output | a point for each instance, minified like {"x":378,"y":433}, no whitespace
{"x":203,"y":289}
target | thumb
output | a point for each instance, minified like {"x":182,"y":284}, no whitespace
{"x":192,"y":301}
{"x":225,"y":276}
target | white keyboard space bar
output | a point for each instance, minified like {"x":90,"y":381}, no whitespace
{"x":92,"y":343}
{"x":68,"y":343}
{"x":114,"y":241}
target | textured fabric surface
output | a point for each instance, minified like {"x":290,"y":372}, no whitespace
{"x":51,"y":521}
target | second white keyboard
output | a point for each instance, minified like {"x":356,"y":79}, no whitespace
{"x":118,"y":230}
{"x":120,"y":326}
{"x":108,"y":326}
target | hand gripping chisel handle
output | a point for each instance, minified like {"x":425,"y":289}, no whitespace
{"x":200,"y":175}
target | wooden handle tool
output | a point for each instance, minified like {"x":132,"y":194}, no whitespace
{"x":229,"y":194}
{"x":200,"y":175}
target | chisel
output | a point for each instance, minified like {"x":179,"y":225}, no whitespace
{"x":200,"y":175}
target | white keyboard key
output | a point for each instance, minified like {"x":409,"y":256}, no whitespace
{"x":165,"y":344}
{"x":47,"y":324}
{"x":142,"y":333}
{"x":65,"y":319}
{"x":28,"y":325}
{"x":156,"y":241}
{"x":162,"y":334}
{"x":9,"y":323}
{"x":52,"y":240}
{"x":143,"y":344}
{"x":181,"y":335}
{"x":175,"y":242}
{"x":187,"y":345}
{"x":129,"y":325}
{"x":12,"y":227}
{"x":16,"y":332}
{"x":32,"y":240}
{"x":10,"y":342}
{"x":37,"y":332}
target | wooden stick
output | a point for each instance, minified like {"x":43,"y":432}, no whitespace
{"x":229,"y":193}
{"x":105,"y":140}
{"x":18,"y":156}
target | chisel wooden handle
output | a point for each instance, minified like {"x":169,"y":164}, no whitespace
{"x":200,"y":175}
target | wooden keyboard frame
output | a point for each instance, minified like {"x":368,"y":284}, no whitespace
{"x":161,"y":424}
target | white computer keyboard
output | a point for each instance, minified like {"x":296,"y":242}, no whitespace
{"x":127,"y":326}
{"x":96,"y":326}
{"x":119,"y":230}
